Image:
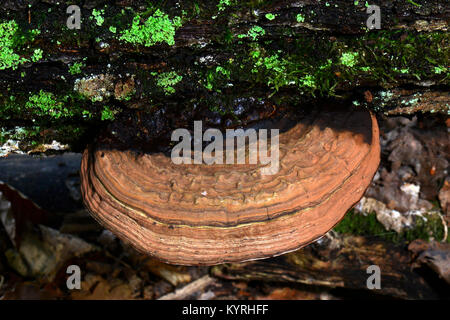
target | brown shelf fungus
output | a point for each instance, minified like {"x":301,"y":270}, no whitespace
{"x":210,"y":214}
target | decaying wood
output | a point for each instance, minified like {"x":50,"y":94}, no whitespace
{"x":338,"y":262}
{"x":402,"y":101}
{"x":207,"y":39}
{"x":201,"y":35}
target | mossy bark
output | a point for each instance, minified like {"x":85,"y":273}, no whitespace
{"x":283,"y":53}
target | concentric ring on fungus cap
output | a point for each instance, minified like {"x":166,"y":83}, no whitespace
{"x":162,"y":209}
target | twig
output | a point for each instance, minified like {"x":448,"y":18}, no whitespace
{"x":189,"y":289}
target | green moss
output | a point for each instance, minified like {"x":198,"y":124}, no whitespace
{"x":308,"y":81}
{"x":368,"y":225}
{"x":440,"y":69}
{"x":254,"y":33}
{"x":37,"y":55}
{"x":30,"y":134}
{"x":216,"y":77}
{"x":417,"y":53}
{"x":270,"y":16}
{"x":300,"y":18}
{"x":24,"y":117}
{"x":43,"y":107}
{"x":167,"y":81}
{"x":223,"y":4}
{"x":349,"y":59}
{"x":414,"y":3}
{"x":158,"y":28}
{"x":222,"y":70}
{"x":274,"y":63}
{"x":48,"y":108}
{"x":108,"y":114}
{"x":45,"y":104}
{"x":76,"y":68}
{"x":97,"y":15}
{"x":12,"y":39}
{"x":278,"y":70}
{"x":9,"y":40}
{"x":318,"y":67}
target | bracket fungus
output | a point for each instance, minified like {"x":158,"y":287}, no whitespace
{"x":210,"y":214}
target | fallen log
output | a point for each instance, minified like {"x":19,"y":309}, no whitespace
{"x":339,"y":262}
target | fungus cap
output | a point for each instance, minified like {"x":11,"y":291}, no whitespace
{"x":211,"y":214}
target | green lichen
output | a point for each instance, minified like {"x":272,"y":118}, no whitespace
{"x":158,"y":28}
